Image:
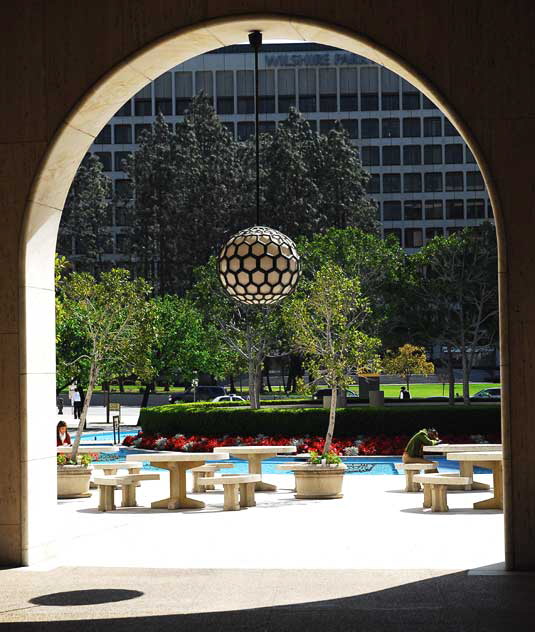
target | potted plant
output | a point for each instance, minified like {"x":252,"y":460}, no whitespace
{"x":325,"y":324}
{"x":74,"y":476}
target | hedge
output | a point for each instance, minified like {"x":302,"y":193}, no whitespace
{"x":214,"y":421}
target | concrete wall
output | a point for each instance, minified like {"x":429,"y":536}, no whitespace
{"x":66,"y":67}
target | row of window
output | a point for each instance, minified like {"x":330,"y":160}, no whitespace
{"x":411,"y":127}
{"x":391,"y":155}
{"x":432,"y":182}
{"x":414,"y":237}
{"x":309,"y":89}
{"x":415,"y":210}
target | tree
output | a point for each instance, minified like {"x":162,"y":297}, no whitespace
{"x":455,"y":293}
{"x":325,"y":325}
{"x":113,"y":317}
{"x":408,"y":361}
{"x":85,"y":218}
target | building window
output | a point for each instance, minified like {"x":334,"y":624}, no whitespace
{"x":433,"y":182}
{"x":390,"y":128}
{"x":204,"y":83}
{"x":453,"y":154}
{"x":139,"y":129}
{"x":266,"y":91}
{"x":123,"y":134}
{"x":391,"y":155}
{"x":370,"y":156}
{"x":396,"y":232}
{"x":163,"y":94}
{"x":327,"y":84}
{"x":326,"y":126}
{"x":454,"y":181}
{"x":246,"y":129}
{"x":104,"y":137}
{"x":229,"y":126}
{"x":412,"y":182}
{"x":390,"y":101}
{"x":411,"y":97}
{"x":411,"y":128}
{"x":490,"y":214}
{"x":414,"y":238}
{"x":120,"y":157}
{"x":348,"y":89}
{"x":433,"y":126}
{"x":433,"y":154}
{"x":143,"y":102}
{"x":428,"y":104}
{"x":369,"y":89}
{"x":431,"y":232}
{"x":224,"y":80}
{"x":449,"y":130}
{"x":307,"y":89}
{"x":389,"y":90}
{"x":412,"y":210}
{"x":434,"y":209}
{"x":454,"y":209}
{"x":475,"y":209}
{"x":286,"y":82}
{"x":451,"y":230}
{"x":105,"y":159}
{"x":392,"y":211}
{"x":369,"y":128}
{"x":266,"y":127}
{"x":245,"y":83}
{"x":391,"y":183}
{"x":474,"y":181}
{"x":183,"y":91}
{"x":412,"y":155}
{"x":469,"y":156}
{"x":121,"y":243}
{"x":351,"y":126}
{"x":374,"y":184}
{"x":124,"y":110}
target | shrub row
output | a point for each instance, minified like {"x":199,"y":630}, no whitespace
{"x":214,"y":421}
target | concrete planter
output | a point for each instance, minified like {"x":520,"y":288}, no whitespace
{"x":73,"y":481}
{"x":319,"y":481}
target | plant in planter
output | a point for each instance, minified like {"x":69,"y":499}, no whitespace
{"x":325,"y":324}
{"x":73,"y":476}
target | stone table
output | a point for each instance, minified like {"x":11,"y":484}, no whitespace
{"x":465,"y":467}
{"x":489,"y":460}
{"x":254,"y":455}
{"x":178,"y":463}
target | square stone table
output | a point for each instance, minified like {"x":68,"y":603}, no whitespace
{"x":254,"y":455}
{"x":465,"y":467}
{"x":177,"y":463}
{"x":489,"y":460}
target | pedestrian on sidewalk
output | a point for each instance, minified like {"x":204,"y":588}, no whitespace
{"x":77,"y":403}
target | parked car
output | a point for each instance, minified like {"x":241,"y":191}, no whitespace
{"x":326,"y":392}
{"x":488,"y":394}
{"x":229,"y":398}
{"x":201,"y":394}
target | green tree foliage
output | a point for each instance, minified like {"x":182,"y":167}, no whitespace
{"x":86,"y":217}
{"x":326,"y":325}
{"x":454,"y":297}
{"x":112,"y":320}
{"x":409,"y":360}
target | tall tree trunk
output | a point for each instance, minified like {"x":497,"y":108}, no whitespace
{"x":87,"y":400}
{"x":407,"y":379}
{"x":451,"y":379}
{"x":231,"y":383}
{"x":267,"y":364}
{"x":121,"y":384}
{"x":466,"y":378}
{"x":146,"y":395}
{"x":253,"y":396}
{"x":332,"y":419}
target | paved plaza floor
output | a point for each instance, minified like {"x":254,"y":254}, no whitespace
{"x":370,"y":561}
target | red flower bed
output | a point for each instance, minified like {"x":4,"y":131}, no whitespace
{"x":366,"y":446}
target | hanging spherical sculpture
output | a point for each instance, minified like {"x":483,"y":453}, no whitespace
{"x":259,"y":266}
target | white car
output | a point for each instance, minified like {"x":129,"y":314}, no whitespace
{"x":228,"y":398}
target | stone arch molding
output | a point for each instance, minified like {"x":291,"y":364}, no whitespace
{"x":49,"y":191}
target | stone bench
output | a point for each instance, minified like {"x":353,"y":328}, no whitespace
{"x":238,"y":490}
{"x":106,"y":486}
{"x":411,"y":469}
{"x":206,"y":471}
{"x":436,"y":487}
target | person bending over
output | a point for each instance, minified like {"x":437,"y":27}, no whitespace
{"x":414,"y":450}
{"x":62,"y":435}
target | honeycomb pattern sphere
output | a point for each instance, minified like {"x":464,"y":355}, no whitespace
{"x":259,"y":266}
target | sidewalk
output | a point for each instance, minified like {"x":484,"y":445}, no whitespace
{"x":96,"y":418}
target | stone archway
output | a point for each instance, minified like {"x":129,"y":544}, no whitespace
{"x":30,"y":492}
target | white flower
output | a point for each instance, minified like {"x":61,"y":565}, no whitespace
{"x":351,"y":451}
{"x":136,"y":442}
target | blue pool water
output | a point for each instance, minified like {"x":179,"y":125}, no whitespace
{"x":357,"y":465}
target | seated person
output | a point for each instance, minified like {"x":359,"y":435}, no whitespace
{"x":414,"y":450}
{"x":62,"y":435}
